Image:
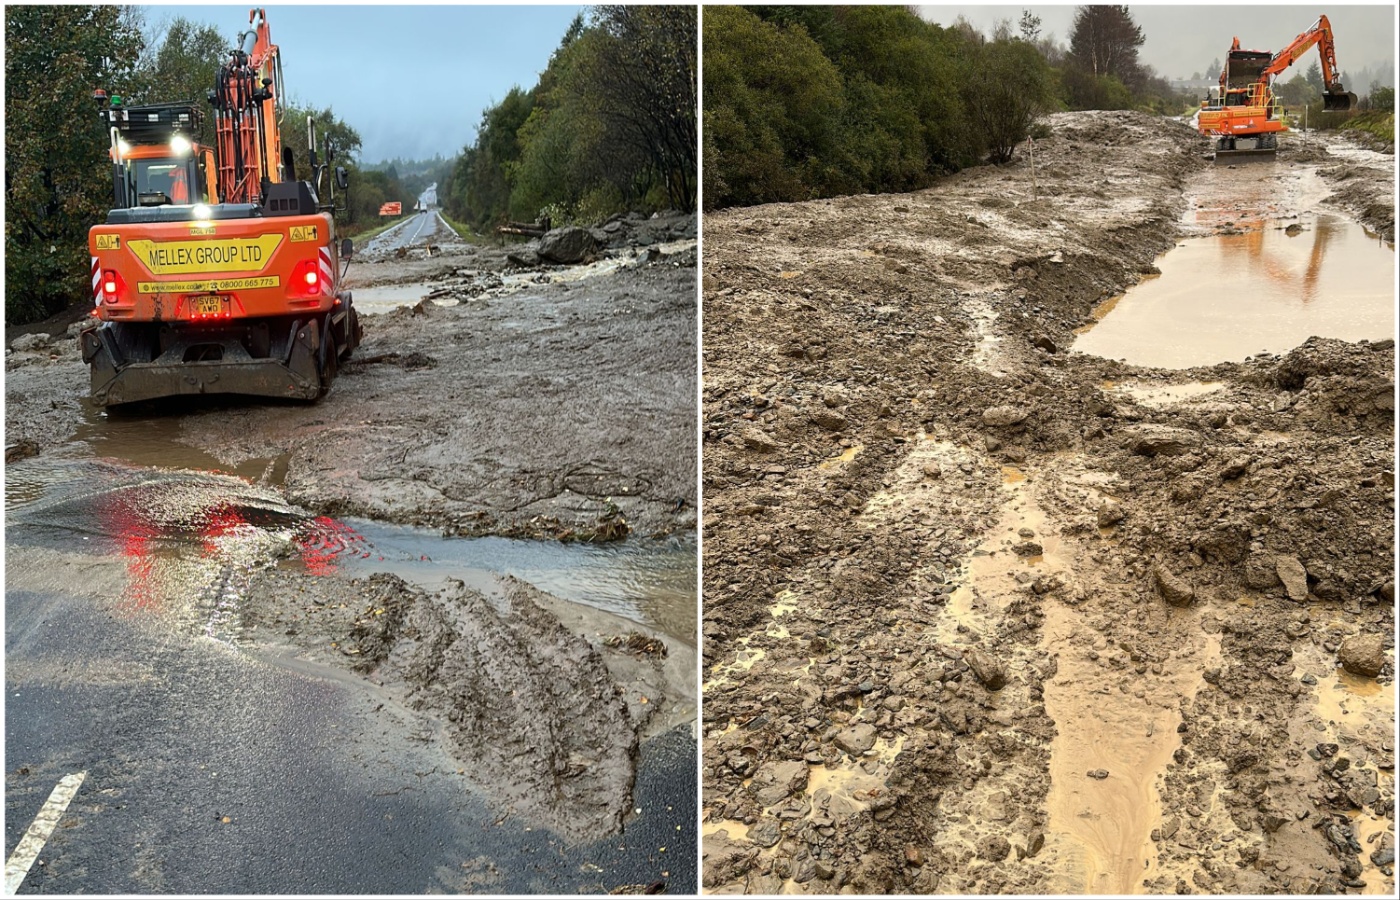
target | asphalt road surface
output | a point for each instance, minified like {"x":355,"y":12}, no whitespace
{"x":414,"y":231}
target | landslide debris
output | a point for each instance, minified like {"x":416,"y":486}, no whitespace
{"x":944,"y":559}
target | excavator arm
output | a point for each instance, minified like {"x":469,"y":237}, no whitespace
{"x":1334,"y":95}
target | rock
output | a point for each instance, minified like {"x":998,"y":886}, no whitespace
{"x":1172,"y":589}
{"x":567,"y":245}
{"x":913,"y":856}
{"x":1110,"y":513}
{"x":25,"y":342}
{"x":1099,"y":774}
{"x":525,"y":256}
{"x":766,"y":833}
{"x":1002,"y":416}
{"x":1261,"y":571}
{"x":1160,"y":440}
{"x":857,"y":739}
{"x":1035,"y":842}
{"x":1383,"y":856}
{"x":1044,"y":343}
{"x":21,"y":449}
{"x":1293,"y":230}
{"x":830,"y":420}
{"x":1294,"y":577}
{"x":1235,"y":468}
{"x":1028,"y":548}
{"x":774,"y":782}
{"x":994,"y":847}
{"x":988,"y":670}
{"x":755,"y":439}
{"x":1363,"y":654}
{"x":726,"y":859}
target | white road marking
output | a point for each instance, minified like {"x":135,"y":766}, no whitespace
{"x":17,"y":866}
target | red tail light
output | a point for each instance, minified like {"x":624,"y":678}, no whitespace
{"x":112,"y":286}
{"x":306,"y":279}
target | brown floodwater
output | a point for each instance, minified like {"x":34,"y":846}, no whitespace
{"x":1265,"y":290}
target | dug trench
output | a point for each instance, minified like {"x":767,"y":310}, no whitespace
{"x":986,"y":614}
{"x":487,"y":526}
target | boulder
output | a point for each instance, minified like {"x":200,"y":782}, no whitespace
{"x":1160,"y":440}
{"x":1294,"y":577}
{"x":1261,"y":571}
{"x":774,"y":782}
{"x":856,"y":739}
{"x":26,"y":342}
{"x":755,"y":439}
{"x":988,"y":670}
{"x":1003,"y":416}
{"x":1110,"y":513}
{"x":567,"y":245}
{"x":1363,"y":654}
{"x":1174,"y":590}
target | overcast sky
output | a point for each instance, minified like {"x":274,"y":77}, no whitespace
{"x":413,"y":80}
{"x":1182,"y":40}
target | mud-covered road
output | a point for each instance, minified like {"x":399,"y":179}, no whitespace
{"x":986,"y":614}
{"x":354,"y":624}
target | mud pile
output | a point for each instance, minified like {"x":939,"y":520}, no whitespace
{"x":540,"y":716}
{"x":978,"y":610}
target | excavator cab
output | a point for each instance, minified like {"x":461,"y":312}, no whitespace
{"x":162,"y":180}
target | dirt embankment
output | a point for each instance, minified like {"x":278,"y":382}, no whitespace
{"x":981,"y":616}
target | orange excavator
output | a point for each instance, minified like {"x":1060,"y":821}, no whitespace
{"x":1244,"y":106}
{"x":217,"y":270}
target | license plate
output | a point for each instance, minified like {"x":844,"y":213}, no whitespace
{"x":208,"y":306}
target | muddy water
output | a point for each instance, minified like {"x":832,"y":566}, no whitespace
{"x":193,"y":533}
{"x":1280,"y":274}
{"x":1099,"y":831}
{"x":650,"y":582}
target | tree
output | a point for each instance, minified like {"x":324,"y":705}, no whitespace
{"x":1029,"y":26}
{"x":58,"y":181}
{"x":1213,"y":73}
{"x":1314,"y":76}
{"x":182,"y":65}
{"x":1012,"y":88}
{"x":644,"y":71}
{"x":773,"y":104}
{"x":1105,"y":42}
{"x":1381,"y":98}
{"x":1296,"y":91}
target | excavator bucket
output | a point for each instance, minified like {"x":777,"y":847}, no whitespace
{"x":1340,"y":101}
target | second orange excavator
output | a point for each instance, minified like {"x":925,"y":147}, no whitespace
{"x":1244,"y":107}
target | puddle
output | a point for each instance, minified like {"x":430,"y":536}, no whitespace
{"x":846,"y":456}
{"x":1229,"y":296}
{"x":1169,"y":394}
{"x":193,"y":539}
{"x":1099,"y":830}
{"x":650,"y":582}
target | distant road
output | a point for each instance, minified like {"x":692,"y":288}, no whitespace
{"x":414,"y":231}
